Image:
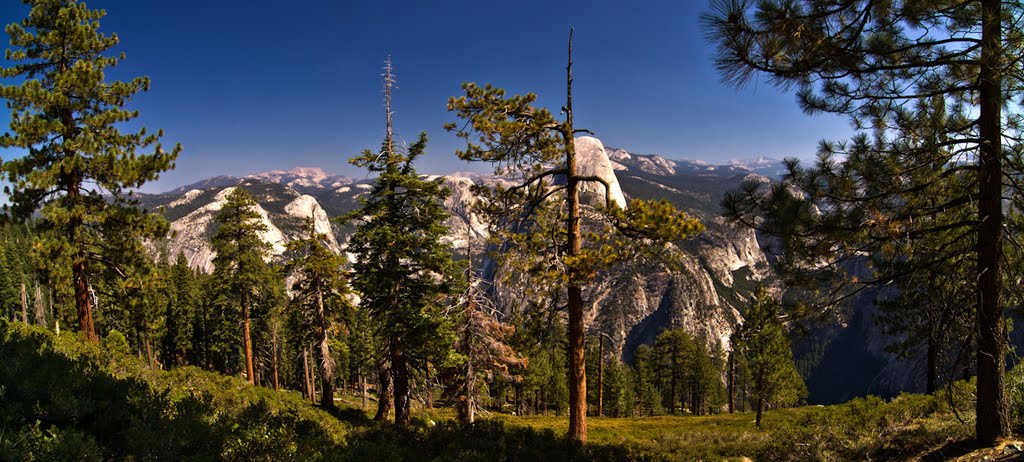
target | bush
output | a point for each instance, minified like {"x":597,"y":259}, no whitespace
{"x":60,"y":399}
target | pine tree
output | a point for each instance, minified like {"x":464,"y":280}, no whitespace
{"x":873,"y":61}
{"x":8,"y":288}
{"x":403,"y":271}
{"x":239,"y":264}
{"x":542,"y":219}
{"x":321,"y":289}
{"x":183,"y":301}
{"x":762,"y":341}
{"x":80,"y":168}
{"x":645,"y":370}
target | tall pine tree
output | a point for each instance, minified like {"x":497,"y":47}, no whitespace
{"x":873,"y":61}
{"x":322,"y":290}
{"x":239,"y":265}
{"x":763,"y":343}
{"x":542,"y":218}
{"x":80,"y":169}
{"x":403,"y":271}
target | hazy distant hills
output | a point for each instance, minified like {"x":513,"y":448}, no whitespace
{"x":705,"y":293}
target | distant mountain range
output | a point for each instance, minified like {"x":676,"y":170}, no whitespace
{"x":705,"y":293}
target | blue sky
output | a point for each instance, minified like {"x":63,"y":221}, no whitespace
{"x":248,"y":86}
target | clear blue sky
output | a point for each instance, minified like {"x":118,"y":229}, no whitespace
{"x":248,"y":86}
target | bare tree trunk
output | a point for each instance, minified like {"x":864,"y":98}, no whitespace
{"x":247,"y":341}
{"x":362,"y":386}
{"x":24,"y":302}
{"x":600,"y":375}
{"x":760,"y":406}
{"x":992,"y":408}
{"x":307,"y":380}
{"x":40,"y":307}
{"x":732,"y":382}
{"x":672,"y":387}
{"x":273,"y":360}
{"x":326,"y":363}
{"x":468,"y":411}
{"x":384,"y":392}
{"x":400,"y":377}
{"x":577,"y":362}
{"x":312,"y":374}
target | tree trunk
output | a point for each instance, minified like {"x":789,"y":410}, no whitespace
{"x":518,"y":398}
{"x":600,"y":375}
{"x":24,"y":302}
{"x":82,"y":300}
{"x":992,"y":408}
{"x":746,"y":397}
{"x":577,"y":362}
{"x":247,"y":341}
{"x":149,"y":351}
{"x":732,"y":383}
{"x":312,"y":373}
{"x":325,"y":363}
{"x":760,"y":406}
{"x":672,"y":386}
{"x":40,"y":307}
{"x":273,"y":360}
{"x":400,"y":377}
{"x":384,"y":392}
{"x":468,"y":414}
{"x":429,"y":402}
{"x":307,"y":380}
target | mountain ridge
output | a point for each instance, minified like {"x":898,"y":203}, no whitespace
{"x":705,"y":293}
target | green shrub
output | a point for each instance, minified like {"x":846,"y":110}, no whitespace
{"x":65,"y":399}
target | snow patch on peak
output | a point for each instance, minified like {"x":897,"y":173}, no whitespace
{"x":313,"y":173}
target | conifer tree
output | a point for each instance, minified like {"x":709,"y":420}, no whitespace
{"x":763,"y":343}
{"x":8,"y":290}
{"x":321,"y":290}
{"x":645,"y":371}
{"x":183,"y":301}
{"x":543,"y":219}
{"x":80,"y":170}
{"x":403,"y":271}
{"x":239,"y":265}
{"x":873,"y":62}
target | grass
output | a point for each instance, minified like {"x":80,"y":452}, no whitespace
{"x":860,"y":430}
{"x":64,"y":399}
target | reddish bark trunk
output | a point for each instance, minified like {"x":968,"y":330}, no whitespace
{"x":247,"y":341}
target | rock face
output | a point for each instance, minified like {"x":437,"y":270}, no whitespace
{"x":593,"y":161}
{"x":193,"y":219}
